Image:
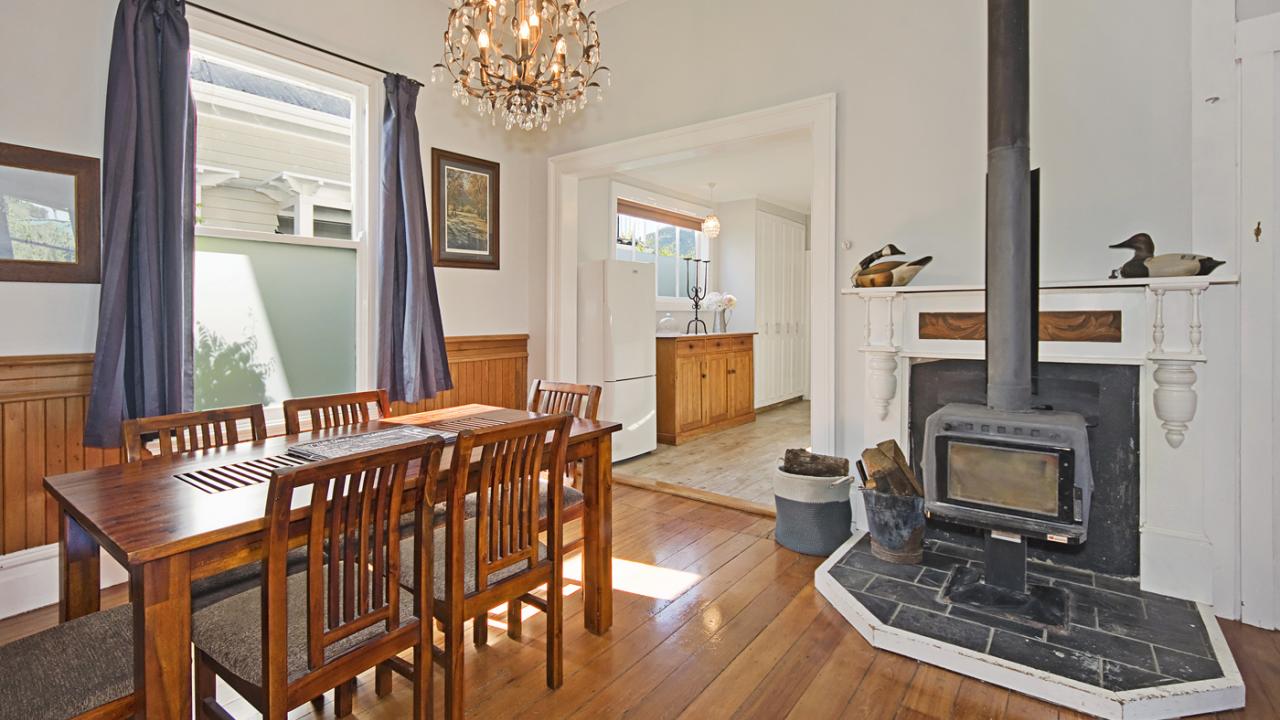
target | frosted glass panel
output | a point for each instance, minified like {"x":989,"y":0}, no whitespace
{"x":273,"y":321}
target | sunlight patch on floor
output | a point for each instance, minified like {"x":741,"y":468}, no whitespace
{"x":639,"y":578}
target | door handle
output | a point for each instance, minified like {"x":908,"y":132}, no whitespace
{"x":1257,"y":232}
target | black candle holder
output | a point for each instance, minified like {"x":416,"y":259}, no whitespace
{"x":697,"y":292}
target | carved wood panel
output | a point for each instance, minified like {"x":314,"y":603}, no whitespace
{"x":1055,"y":325}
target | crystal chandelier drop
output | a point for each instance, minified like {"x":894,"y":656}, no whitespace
{"x":524,"y":60}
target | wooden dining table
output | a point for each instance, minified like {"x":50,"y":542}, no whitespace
{"x":167,"y":529}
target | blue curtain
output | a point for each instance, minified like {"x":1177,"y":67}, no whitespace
{"x":411,"y":356}
{"x":143,"y":361}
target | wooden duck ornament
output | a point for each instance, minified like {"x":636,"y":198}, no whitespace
{"x":1145,"y":263}
{"x":892,"y":273}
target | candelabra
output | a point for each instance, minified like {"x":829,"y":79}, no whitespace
{"x":697,"y":291}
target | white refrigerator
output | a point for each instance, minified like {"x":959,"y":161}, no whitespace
{"x":617,"y":318}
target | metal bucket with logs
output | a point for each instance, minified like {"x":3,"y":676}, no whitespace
{"x":894,"y":500}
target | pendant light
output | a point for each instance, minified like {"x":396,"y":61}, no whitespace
{"x":711,"y":223}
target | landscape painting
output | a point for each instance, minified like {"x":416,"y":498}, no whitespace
{"x":464,"y":211}
{"x":48,"y":216}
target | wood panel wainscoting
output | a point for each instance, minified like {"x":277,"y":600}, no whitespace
{"x":42,"y":408}
{"x":1055,"y":325}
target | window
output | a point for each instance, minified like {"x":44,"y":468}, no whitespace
{"x":665,"y":238}
{"x":280,"y":155}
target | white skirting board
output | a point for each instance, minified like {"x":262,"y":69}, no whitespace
{"x":1169,"y":701}
{"x":29,"y":579}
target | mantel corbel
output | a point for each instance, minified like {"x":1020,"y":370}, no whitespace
{"x":882,"y":354}
{"x":1175,"y":370}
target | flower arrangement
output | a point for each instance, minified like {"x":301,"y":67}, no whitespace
{"x":721,"y":301}
{"x":723,"y":305}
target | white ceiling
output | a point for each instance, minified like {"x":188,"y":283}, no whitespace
{"x":777,"y":169}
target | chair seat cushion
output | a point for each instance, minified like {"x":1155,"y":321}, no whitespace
{"x":207,"y":591}
{"x":230,"y":631}
{"x":572,"y":498}
{"x":409,"y":579}
{"x":68,"y":669}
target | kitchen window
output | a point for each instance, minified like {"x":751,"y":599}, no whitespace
{"x":665,"y":238}
{"x":281,"y":260}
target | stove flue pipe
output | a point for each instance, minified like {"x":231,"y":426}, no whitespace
{"x":1009,"y":277}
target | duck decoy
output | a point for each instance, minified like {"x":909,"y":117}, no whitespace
{"x":884,"y":252}
{"x":892,"y":273}
{"x":1145,"y":263}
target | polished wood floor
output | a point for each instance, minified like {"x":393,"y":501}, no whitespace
{"x":714,"y":620}
{"x":737,"y":463}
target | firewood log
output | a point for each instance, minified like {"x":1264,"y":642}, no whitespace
{"x":893,"y":450}
{"x":802,"y":462}
{"x":885,"y":472}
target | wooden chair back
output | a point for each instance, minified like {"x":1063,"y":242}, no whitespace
{"x":556,"y":397}
{"x":512,"y":456}
{"x":334,"y":411}
{"x":353,"y":513}
{"x":185,"y":432}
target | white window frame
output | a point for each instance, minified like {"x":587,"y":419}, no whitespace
{"x":666,"y":202}
{"x":218,"y":37}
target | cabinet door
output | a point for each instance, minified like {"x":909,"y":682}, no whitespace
{"x":741,"y":384}
{"x":715,"y":400}
{"x":689,"y":406}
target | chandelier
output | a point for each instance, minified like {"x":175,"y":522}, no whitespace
{"x":523,"y":60}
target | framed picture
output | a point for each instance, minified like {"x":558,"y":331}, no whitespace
{"x":49,"y":222}
{"x":464,"y":211}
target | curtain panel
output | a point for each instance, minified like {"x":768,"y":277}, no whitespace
{"x":143,"y":359}
{"x":412,"y":364}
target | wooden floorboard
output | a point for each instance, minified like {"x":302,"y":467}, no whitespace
{"x":712,"y":619}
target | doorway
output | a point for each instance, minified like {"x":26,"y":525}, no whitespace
{"x":779,"y":262}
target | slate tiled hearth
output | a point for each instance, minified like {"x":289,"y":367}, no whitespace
{"x":1126,"y":652}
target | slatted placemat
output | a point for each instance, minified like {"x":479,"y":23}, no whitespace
{"x":457,"y":425}
{"x":238,"y":475}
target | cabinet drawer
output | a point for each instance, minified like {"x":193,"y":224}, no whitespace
{"x":743,"y":343}
{"x":690,"y":347}
{"x":719,"y":344}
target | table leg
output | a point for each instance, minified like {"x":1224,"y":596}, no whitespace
{"x":597,"y":556}
{"x":161,"y":592}
{"x":78,"y":571}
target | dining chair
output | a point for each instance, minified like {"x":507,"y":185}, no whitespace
{"x":299,"y":635}
{"x":81,"y":669}
{"x":203,"y":430}
{"x":584,"y":402}
{"x":189,"y":431}
{"x":335,"y":411}
{"x":496,"y":556}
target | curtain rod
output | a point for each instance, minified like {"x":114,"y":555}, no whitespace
{"x":293,"y":40}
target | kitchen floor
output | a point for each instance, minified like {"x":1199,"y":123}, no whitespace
{"x":737,"y":463}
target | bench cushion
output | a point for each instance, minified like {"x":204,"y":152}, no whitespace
{"x":70,"y":668}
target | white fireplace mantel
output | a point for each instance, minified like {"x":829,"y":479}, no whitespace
{"x":1163,"y":331}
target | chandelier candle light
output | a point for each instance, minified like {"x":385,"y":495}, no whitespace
{"x":526,"y":60}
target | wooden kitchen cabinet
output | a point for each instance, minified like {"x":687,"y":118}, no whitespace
{"x":705,"y":383}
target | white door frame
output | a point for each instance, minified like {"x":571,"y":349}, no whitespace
{"x":1258,"y":56}
{"x":818,"y":116}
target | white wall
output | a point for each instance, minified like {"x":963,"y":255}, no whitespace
{"x":1246,"y":9}
{"x":53,"y":66}
{"x":1110,"y":120}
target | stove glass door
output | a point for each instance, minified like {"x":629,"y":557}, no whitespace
{"x":1021,"y":480}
